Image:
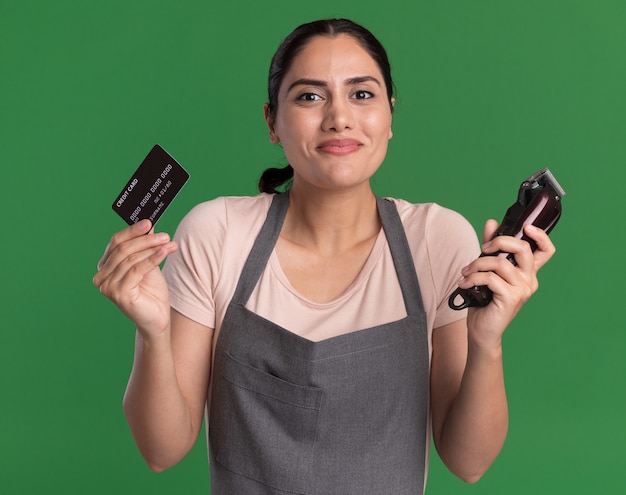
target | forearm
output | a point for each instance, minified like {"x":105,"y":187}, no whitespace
{"x":155,"y":408}
{"x":476,"y":424}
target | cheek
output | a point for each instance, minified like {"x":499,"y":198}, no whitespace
{"x":291,"y":127}
{"x":379,"y":127}
{"x":291,"y":140}
{"x":296,"y":131}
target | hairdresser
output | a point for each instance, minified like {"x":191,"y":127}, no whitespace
{"x":311,"y":327}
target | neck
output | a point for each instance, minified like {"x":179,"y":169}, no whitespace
{"x":331,"y":221}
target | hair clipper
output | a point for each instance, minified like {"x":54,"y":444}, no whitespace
{"x":539,"y":204}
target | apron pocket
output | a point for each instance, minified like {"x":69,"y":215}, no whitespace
{"x":264,"y":427}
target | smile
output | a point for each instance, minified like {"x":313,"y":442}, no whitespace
{"x":340,"y":146}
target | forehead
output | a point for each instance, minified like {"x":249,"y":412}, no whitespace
{"x":327,"y":58}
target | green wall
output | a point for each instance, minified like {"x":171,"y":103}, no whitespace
{"x":488,"y":92}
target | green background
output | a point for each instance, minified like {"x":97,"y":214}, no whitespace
{"x":488,"y":92}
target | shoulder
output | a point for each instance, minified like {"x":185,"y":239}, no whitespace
{"x":213,"y":227}
{"x":442,"y":242}
{"x":443,"y":236}
{"x":433,"y":219}
{"x":213,"y":239}
{"x":223,"y":213}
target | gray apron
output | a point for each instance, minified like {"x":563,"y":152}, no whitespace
{"x":347,"y":415}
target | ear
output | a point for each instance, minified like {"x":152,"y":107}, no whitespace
{"x":393,"y":106}
{"x":269,"y":120}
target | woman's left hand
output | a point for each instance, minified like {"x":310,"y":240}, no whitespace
{"x":511,"y":285}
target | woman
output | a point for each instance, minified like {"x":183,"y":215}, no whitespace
{"x":313,"y":325}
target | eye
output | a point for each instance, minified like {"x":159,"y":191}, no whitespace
{"x":308,"y":97}
{"x":363,"y":95}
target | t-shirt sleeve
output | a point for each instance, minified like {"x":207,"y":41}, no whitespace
{"x":193,"y":271}
{"x":452,"y":244}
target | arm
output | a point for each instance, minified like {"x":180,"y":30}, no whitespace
{"x":468,"y":399}
{"x":167,"y":390}
{"x":468,"y":402}
{"x":165,"y":397}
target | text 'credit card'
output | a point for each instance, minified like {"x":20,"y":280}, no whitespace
{"x":152,"y":188}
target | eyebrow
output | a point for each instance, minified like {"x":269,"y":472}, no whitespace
{"x":348,"y":82}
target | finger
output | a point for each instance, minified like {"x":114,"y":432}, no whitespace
{"x":545,"y":248}
{"x":505,"y":245}
{"x":521,"y":250}
{"x":134,"y":246}
{"x":129,"y":274}
{"x":136,"y":272}
{"x":114,"y":272}
{"x":474,"y":273}
{"x":140,"y":228}
{"x":489,"y":230}
{"x":505,"y":280}
{"x":490,"y":279}
{"x":522,"y":274}
{"x":130,"y":249}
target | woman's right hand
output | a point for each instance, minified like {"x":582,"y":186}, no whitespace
{"x":129,"y":275}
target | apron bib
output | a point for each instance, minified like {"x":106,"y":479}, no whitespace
{"x":347,"y":415}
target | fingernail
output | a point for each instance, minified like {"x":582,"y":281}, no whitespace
{"x":162,"y":237}
{"x":166,"y":247}
{"x":142,"y":224}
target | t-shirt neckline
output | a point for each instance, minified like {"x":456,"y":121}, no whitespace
{"x":361,"y":278}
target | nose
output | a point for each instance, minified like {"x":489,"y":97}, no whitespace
{"x":338,"y":116}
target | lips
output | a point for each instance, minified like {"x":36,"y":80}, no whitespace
{"x":339,"y":146}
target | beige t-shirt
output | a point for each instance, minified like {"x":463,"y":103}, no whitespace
{"x":216,"y":236}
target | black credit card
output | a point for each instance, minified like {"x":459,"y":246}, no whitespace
{"x":152,"y":188}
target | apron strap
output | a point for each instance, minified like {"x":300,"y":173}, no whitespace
{"x":262,"y":248}
{"x":401,"y":255}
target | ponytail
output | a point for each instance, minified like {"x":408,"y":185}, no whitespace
{"x":274,"y":178}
